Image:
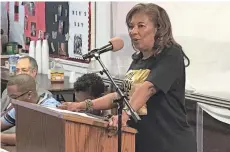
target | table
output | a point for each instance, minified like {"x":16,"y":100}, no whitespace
{"x":57,"y":89}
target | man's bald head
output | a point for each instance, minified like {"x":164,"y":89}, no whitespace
{"x":24,"y":82}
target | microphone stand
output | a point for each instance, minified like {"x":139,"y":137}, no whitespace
{"x":119,"y":102}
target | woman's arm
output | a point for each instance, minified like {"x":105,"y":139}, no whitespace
{"x":105,"y":102}
{"x":102,"y":103}
{"x":141,"y":95}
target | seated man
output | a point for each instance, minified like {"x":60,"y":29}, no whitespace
{"x":26,"y":65}
{"x":90,"y":86}
{"x":22,"y":87}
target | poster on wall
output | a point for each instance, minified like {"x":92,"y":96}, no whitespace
{"x":56,"y":33}
{"x":78,"y":29}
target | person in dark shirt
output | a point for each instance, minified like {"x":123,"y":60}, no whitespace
{"x":155,"y":82}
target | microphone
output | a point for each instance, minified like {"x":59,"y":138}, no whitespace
{"x":114,"y":45}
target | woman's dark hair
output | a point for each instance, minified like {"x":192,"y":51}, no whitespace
{"x":163,"y":37}
{"x":90,"y":83}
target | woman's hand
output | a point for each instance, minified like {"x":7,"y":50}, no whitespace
{"x":71,"y":106}
{"x":114,"y":120}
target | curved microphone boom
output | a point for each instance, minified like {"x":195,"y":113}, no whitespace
{"x":114,"y":45}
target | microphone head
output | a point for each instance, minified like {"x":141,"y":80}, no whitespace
{"x":117,"y":43}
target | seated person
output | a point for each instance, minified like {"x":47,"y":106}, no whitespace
{"x":25,"y":65}
{"x":22,"y":87}
{"x":90,"y":86}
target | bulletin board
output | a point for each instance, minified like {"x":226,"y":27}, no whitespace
{"x":66,"y":25}
{"x":34,"y":21}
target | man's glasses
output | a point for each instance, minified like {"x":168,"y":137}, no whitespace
{"x":16,"y":97}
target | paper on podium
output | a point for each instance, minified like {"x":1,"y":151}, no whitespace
{"x":70,"y":112}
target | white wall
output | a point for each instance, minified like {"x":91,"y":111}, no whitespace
{"x":202,"y":28}
{"x":205,"y":36}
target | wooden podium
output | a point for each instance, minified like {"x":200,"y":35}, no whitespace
{"x":41,"y":129}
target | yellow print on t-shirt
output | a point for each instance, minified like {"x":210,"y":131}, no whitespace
{"x":133,"y":79}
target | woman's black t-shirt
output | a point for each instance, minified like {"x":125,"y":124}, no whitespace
{"x":163,"y":126}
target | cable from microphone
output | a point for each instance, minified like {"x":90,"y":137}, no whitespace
{"x":114,"y":45}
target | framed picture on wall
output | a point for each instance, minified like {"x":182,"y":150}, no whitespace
{"x":57,"y":25}
{"x":33,"y":29}
{"x":31,"y":8}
